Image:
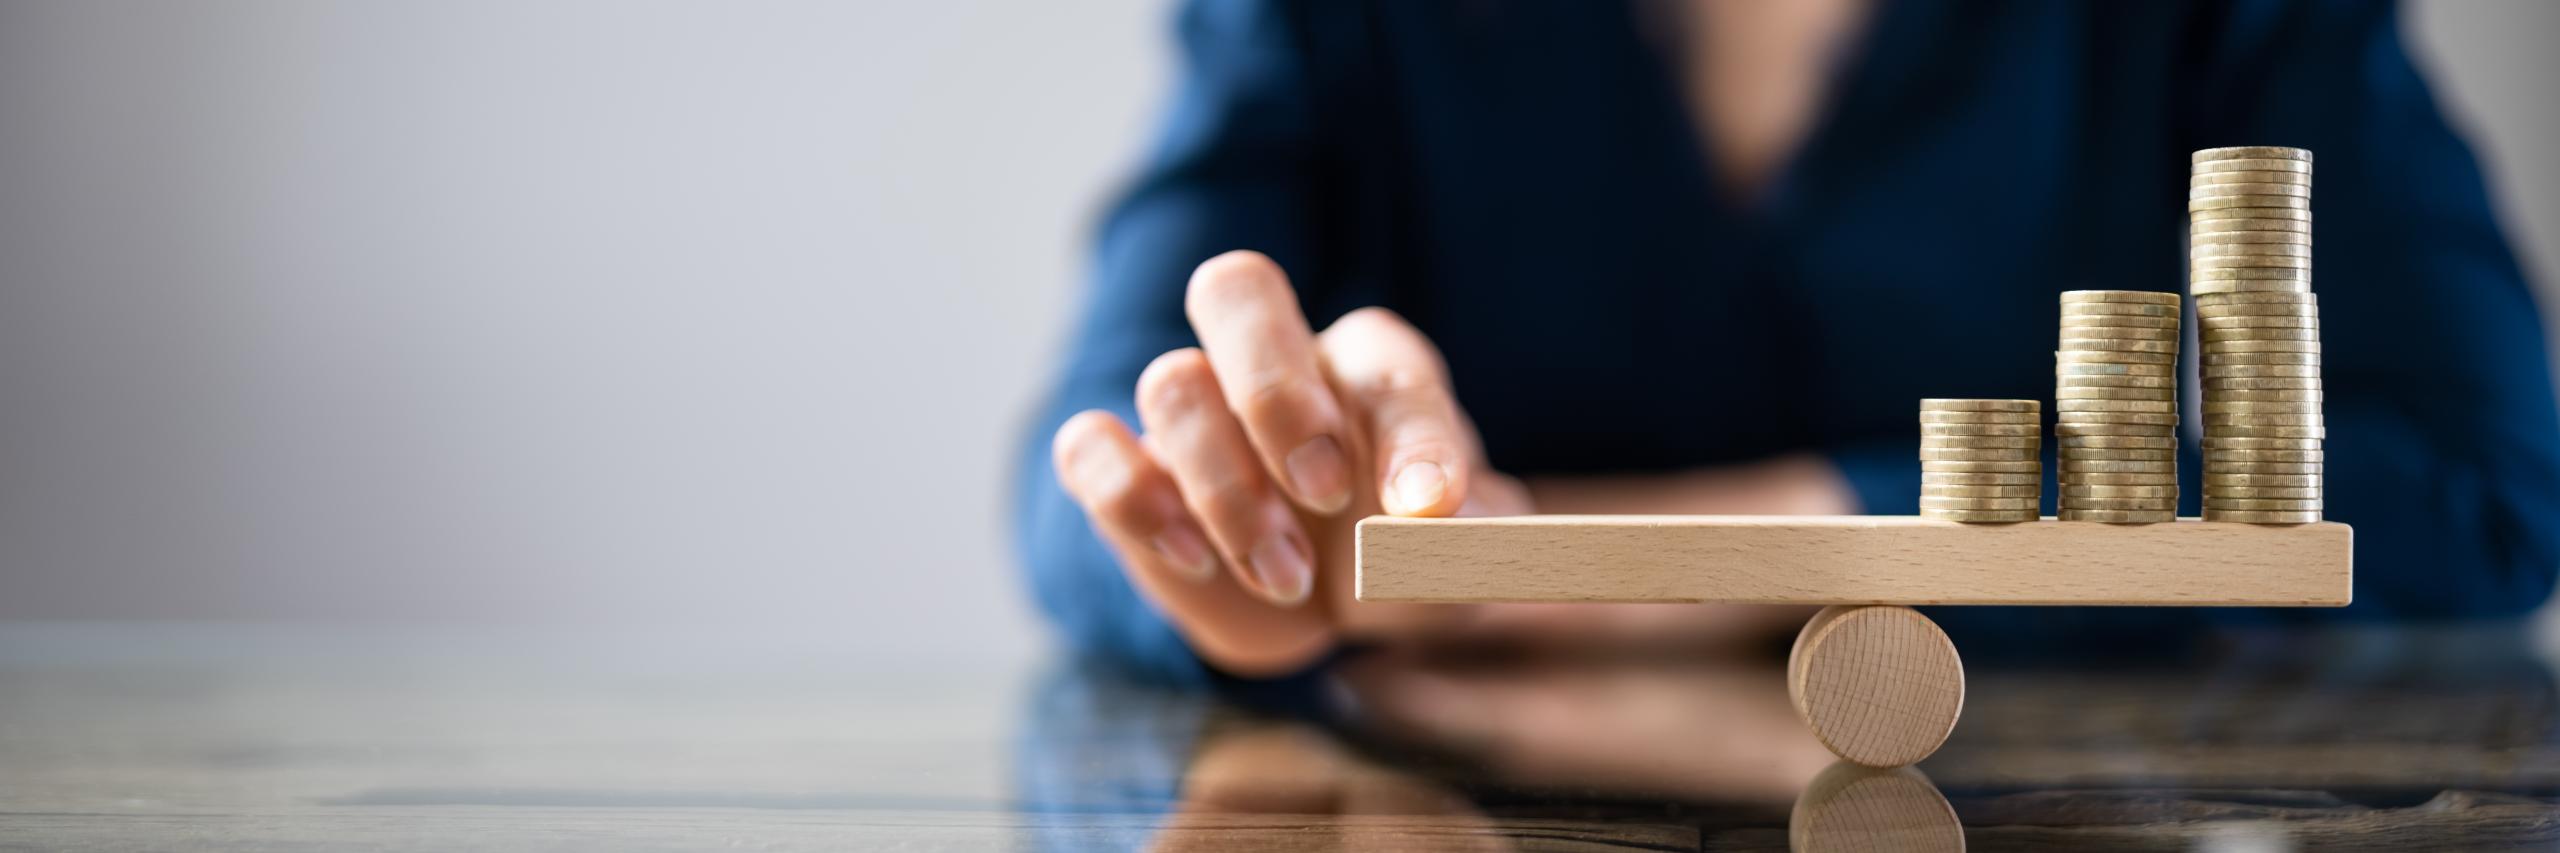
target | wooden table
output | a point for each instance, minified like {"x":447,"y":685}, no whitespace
{"x":176,"y":737}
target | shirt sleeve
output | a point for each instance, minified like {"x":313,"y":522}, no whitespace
{"x":2442,"y":448}
{"x":1237,"y":164}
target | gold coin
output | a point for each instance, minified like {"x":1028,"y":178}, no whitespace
{"x":2075,"y":392}
{"x":2119,"y":442}
{"x":2247,"y":346}
{"x":2230,"y":431}
{"x":2224,"y":496}
{"x":2218,"y":423}
{"x":2248,"y":250}
{"x":1955,"y":466}
{"x":2262,"y":479}
{"x":2261,"y":371}
{"x":2163,"y":322}
{"x":2159,"y":419}
{"x":1942,"y":478}
{"x":2120,"y":492}
{"x":2119,"y":517}
{"x":2201,"y":228}
{"x":2269,"y":505}
{"x":2261,"y":333}
{"x":2069,"y":429}
{"x":2080,"y":504}
{"x":2151,"y":297}
{"x":1953,"y":430}
{"x":1934,"y":502}
{"x":2220,"y":316}
{"x":2290,"y":320}
{"x":2104,"y":466}
{"x":2210,"y":283}
{"x":1999,"y":418}
{"x":2097,"y":479}
{"x":2230,"y":383}
{"x":2229,"y":202}
{"x":2224,"y":261}
{"x":2197,"y":274}
{"x":1979,"y":442}
{"x":1946,"y":490}
{"x":2250,"y":152}
{"x":2250,"y":238}
{"x":2105,"y":309}
{"x":2075,"y":367}
{"x":2261,"y":407}
{"x":2160,"y":406}
{"x":2216,"y":460}
{"x":2212,"y":302}
{"x":1981,"y":517}
{"x":2150,"y":383}
{"x":2284,"y":395}
{"x":2249,"y":176}
{"x":2113,"y":345}
{"x":2292,"y":469}
{"x":2262,"y":444}
{"x":2068,"y":356}
{"x":1941,"y":454}
{"x":2215,"y":357}
{"x":2297,"y":214}
{"x":2247,"y":517}
{"x":2253,"y":190}
{"x":2115,"y":454}
{"x":1961,"y":404}
{"x":2252,"y":164}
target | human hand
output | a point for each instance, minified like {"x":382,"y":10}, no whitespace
{"x":1263,"y":448}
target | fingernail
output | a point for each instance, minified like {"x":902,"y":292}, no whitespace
{"x":1282,"y":566}
{"x":1186,"y":552}
{"x":1318,"y":473}
{"x":1418,"y":485}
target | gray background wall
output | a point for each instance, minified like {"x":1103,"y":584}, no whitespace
{"x":620,"y":310}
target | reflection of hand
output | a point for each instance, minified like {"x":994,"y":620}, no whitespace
{"x":1264,"y":447}
{"x":1240,"y":779}
{"x":1715,"y":731}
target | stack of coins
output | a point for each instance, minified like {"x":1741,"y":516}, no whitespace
{"x":1981,"y":460}
{"x":2116,"y":406}
{"x":2249,"y":235}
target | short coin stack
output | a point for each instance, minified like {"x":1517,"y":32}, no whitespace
{"x":2116,"y":406}
{"x":1981,"y":460}
{"x":2249,"y":236}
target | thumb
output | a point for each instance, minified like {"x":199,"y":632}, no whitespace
{"x":1388,"y":372}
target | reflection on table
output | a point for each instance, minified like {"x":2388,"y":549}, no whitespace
{"x":2395,"y":739}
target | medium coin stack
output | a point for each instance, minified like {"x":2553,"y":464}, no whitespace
{"x":1981,"y":460}
{"x":2116,"y":406}
{"x":2249,"y":237}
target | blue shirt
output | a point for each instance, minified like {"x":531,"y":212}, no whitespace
{"x":1523,"y":181}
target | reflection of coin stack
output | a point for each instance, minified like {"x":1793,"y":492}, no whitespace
{"x":2116,"y":406}
{"x":1981,"y":460}
{"x":2249,"y":241}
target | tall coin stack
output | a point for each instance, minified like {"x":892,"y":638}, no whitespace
{"x":2116,"y":406}
{"x":1981,"y":460}
{"x":2249,"y":238}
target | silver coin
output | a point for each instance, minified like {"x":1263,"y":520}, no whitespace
{"x":2228,"y":202}
{"x":2209,"y":190}
{"x":2297,"y":214}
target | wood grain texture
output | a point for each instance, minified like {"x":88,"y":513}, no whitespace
{"x":1879,"y":685}
{"x":1853,"y":560}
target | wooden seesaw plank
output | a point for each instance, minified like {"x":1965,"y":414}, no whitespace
{"x":1852,"y":559}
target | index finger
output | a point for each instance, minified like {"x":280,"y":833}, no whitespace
{"x":1248,"y":320}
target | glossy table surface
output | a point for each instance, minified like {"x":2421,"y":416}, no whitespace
{"x":183,"y":737}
